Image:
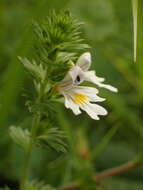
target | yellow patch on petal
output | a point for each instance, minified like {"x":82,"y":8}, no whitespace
{"x":79,"y":98}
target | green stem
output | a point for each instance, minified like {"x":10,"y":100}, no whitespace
{"x":117,"y":170}
{"x":104,"y":142}
{"x":135,"y":24}
{"x":35,"y":125}
{"x":24,"y":176}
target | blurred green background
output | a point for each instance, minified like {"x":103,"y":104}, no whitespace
{"x":108,"y":29}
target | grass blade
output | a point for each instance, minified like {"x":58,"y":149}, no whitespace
{"x":135,"y":23}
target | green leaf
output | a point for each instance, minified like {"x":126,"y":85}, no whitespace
{"x":5,"y":188}
{"x":37,"y":70}
{"x":39,"y":185}
{"x":20,"y":136}
{"x":59,"y":42}
{"x":60,"y":31}
{"x":53,"y":138}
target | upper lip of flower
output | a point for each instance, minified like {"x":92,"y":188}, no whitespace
{"x":79,"y":73}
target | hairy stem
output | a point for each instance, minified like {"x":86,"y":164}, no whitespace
{"x":24,"y":176}
{"x":34,"y":128}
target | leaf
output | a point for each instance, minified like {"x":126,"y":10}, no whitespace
{"x":20,"y":136}
{"x":39,"y":185}
{"x":37,"y":70}
{"x":5,"y":188}
{"x":59,"y":42}
{"x":53,"y":138}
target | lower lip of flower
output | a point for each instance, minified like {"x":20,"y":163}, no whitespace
{"x":79,"y":98}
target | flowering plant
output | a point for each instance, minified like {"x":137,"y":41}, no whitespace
{"x":53,"y":72}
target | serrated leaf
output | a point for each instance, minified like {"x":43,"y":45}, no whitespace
{"x":39,"y":185}
{"x":37,"y":70}
{"x":53,"y":138}
{"x":59,"y":41}
{"x":20,"y":136}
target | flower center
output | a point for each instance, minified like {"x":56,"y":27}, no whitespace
{"x":78,"y":79}
{"x":79,"y":98}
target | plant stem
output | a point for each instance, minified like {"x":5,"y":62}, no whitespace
{"x":104,"y":142}
{"x":135,"y":24}
{"x":24,"y":176}
{"x":34,"y":128}
{"x":116,"y":170}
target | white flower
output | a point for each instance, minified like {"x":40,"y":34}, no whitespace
{"x":79,"y":98}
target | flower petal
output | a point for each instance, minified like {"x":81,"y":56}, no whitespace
{"x":89,"y":111}
{"x":74,"y":77}
{"x":107,"y":86}
{"x":76,"y":74}
{"x":98,"y":109}
{"x":86,"y":89}
{"x":70,"y":104}
{"x":65,"y":83}
{"x":93,"y":110}
{"x":90,"y":92}
{"x":91,"y":76}
{"x":84,"y":61}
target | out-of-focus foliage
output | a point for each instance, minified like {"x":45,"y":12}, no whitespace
{"x":20,"y":136}
{"x":34,"y":185}
{"x":108,"y":29}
